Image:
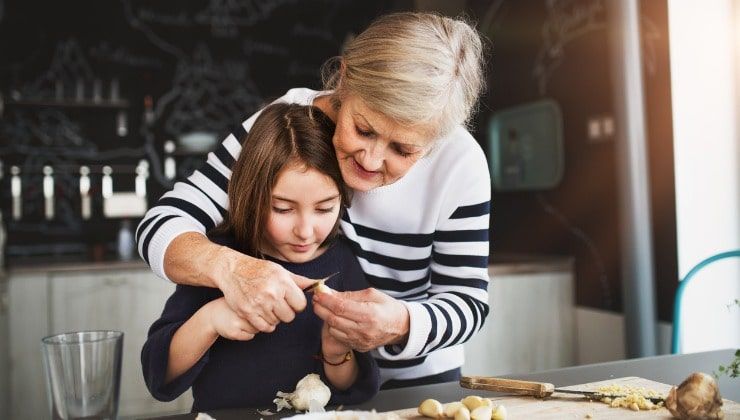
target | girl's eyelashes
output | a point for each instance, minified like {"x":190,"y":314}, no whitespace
{"x":282,"y":210}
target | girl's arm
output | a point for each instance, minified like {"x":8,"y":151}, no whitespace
{"x":339,"y":370}
{"x":197,"y":335}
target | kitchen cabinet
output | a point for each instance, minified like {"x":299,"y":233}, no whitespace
{"x":531,"y":324}
{"x":123,"y":296}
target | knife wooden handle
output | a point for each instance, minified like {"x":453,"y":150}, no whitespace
{"x":511,"y":386}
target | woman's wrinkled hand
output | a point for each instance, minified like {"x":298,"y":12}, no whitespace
{"x":259,"y":291}
{"x":364,"y":319}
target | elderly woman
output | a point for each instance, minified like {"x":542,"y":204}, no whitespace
{"x":400,"y":95}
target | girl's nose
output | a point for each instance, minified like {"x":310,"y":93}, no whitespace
{"x":303,"y":228}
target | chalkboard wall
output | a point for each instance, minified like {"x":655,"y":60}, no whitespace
{"x":207,"y":64}
{"x":95,"y":83}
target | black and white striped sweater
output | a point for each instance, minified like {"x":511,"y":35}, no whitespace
{"x":422,"y":239}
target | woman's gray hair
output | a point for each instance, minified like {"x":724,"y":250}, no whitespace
{"x":416,"y":68}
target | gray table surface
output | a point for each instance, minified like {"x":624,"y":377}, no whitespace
{"x":668,"y":369}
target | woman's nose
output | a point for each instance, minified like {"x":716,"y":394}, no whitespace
{"x":372,"y":157}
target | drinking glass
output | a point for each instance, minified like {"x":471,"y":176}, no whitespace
{"x":83,"y":374}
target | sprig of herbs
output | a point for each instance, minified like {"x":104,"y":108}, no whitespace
{"x":733,"y":369}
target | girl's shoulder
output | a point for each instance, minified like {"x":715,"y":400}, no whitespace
{"x":353,"y":277}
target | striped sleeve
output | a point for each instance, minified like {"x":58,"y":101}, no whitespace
{"x":457,"y":297}
{"x":195,"y":204}
{"x":200,"y":202}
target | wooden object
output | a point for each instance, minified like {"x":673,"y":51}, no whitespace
{"x":509,"y":386}
{"x":568,"y":406}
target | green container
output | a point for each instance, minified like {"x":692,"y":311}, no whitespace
{"x":526,"y":147}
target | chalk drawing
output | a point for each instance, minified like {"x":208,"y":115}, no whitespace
{"x":156,"y":40}
{"x":119,"y":54}
{"x":226,"y":17}
{"x":566,"y":21}
{"x":492,"y":17}
{"x":206,"y":95}
{"x":68,"y":65}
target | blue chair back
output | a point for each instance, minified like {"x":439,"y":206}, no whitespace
{"x":676,"y":337}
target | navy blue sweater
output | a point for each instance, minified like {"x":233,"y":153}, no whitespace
{"x":235,"y":374}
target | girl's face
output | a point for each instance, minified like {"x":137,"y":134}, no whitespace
{"x":304,"y":208}
{"x":372,"y":149}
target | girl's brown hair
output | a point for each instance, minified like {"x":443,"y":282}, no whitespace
{"x":282,"y":135}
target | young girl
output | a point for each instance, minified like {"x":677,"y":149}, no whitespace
{"x":286,"y":195}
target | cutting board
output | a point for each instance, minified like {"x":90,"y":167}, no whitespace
{"x":568,"y":406}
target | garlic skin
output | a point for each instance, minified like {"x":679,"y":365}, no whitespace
{"x":310,"y":393}
{"x":696,"y":398}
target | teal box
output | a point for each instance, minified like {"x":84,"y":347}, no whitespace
{"x":526,"y":147}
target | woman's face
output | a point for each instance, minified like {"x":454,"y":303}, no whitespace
{"x":374,"y":150}
{"x":304,"y":208}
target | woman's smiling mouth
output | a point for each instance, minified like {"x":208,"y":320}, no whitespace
{"x":362,"y":172}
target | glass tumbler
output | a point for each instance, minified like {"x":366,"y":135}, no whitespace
{"x":83,"y":374}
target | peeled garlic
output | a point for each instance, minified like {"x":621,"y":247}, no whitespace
{"x":309,"y":392}
{"x":462,"y":413}
{"x":451,"y":408}
{"x":430,"y":408}
{"x":321,"y":287}
{"x":473,"y":402}
{"x":499,"y":413}
{"x":483,"y":412}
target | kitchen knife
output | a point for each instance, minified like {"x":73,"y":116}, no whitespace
{"x":533,"y":389}
{"x":313,"y":287}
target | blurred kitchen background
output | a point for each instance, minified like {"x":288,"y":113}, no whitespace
{"x":610,"y":125}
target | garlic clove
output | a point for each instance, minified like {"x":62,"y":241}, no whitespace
{"x":451,"y":408}
{"x":430,"y":408}
{"x":483,"y":412}
{"x":310,"y":392}
{"x":462,"y":413}
{"x":499,"y":413}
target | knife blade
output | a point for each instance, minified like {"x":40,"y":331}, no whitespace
{"x":534,"y":389}
{"x":313,"y":287}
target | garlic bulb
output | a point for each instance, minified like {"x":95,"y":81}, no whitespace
{"x":310,"y":394}
{"x":696,"y":398}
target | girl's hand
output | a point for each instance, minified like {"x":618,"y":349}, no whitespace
{"x":332,"y":349}
{"x":227,"y":323}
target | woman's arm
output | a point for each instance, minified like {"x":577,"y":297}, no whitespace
{"x":171,"y":239}
{"x":457,"y":302}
